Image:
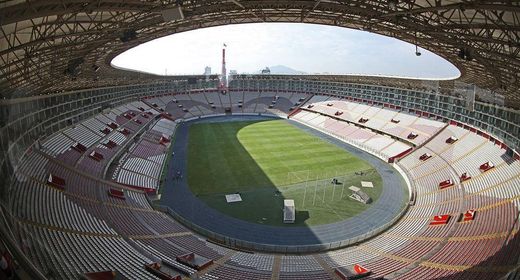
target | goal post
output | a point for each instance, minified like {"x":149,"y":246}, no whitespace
{"x":319,"y":188}
{"x":300,"y":176}
{"x":295,"y":177}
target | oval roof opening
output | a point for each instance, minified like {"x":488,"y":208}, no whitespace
{"x":286,"y":48}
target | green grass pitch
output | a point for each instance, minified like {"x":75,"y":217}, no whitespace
{"x":269,"y":161}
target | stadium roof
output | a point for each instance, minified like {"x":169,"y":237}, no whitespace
{"x":58,"y":45}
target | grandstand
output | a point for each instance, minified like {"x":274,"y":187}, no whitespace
{"x":82,"y":205}
{"x":87,"y":152}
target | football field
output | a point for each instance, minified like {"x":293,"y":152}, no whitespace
{"x":269,"y":161}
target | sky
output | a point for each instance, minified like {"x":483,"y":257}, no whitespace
{"x":303,"y":47}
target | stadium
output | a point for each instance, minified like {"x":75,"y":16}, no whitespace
{"x":113,"y":174}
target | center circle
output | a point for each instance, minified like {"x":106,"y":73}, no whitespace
{"x":262,"y":162}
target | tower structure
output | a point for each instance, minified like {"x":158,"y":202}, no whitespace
{"x":223,"y":78}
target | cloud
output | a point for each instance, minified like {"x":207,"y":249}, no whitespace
{"x":305,"y":47}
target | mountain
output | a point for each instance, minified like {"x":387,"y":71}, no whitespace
{"x":282,"y":69}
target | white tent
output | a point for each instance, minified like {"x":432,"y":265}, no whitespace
{"x":288,"y":211}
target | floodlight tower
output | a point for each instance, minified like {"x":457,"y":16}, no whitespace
{"x":223,"y":78}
